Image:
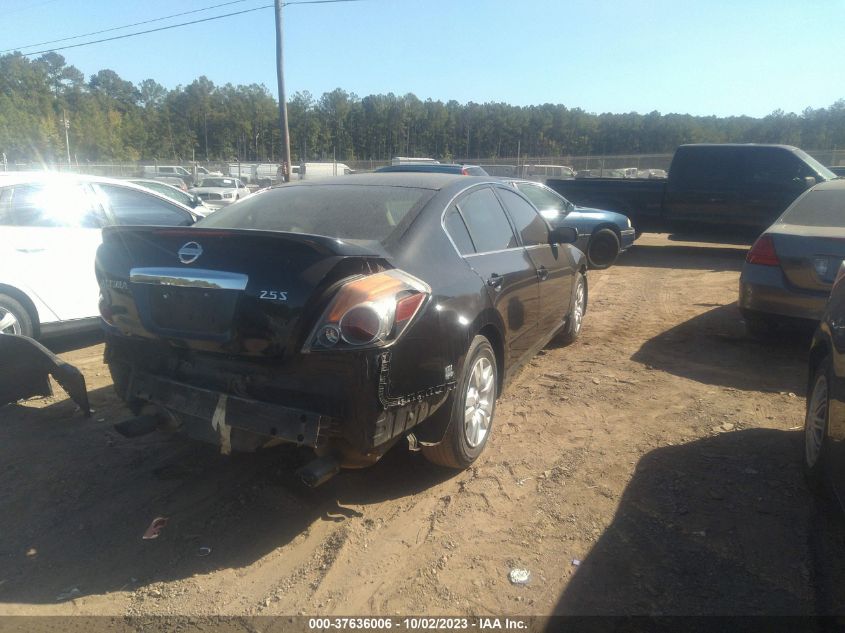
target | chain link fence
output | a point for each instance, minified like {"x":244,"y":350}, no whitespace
{"x":618,"y":165}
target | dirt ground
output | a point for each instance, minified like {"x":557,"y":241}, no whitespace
{"x":651,"y":468}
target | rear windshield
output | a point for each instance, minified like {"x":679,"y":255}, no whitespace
{"x":218,"y":182}
{"x":353,"y":212}
{"x":821,"y":207}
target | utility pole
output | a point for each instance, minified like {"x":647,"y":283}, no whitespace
{"x":67,"y":136}
{"x":283,"y":102}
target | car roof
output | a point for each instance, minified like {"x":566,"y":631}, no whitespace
{"x":781,"y":146}
{"x":420,"y":180}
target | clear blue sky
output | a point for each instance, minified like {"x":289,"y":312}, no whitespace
{"x":702,"y":57}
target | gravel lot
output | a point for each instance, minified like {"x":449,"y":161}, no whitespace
{"x":653,"y":467}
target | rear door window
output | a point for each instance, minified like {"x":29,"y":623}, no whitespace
{"x":54,"y":204}
{"x":531,"y":227}
{"x":707,"y":168}
{"x":136,"y":208}
{"x":486,"y":220}
{"x":457,"y":230}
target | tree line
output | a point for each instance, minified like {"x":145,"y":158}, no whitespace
{"x":109,"y":119}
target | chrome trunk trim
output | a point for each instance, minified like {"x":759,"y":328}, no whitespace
{"x":194,"y":278}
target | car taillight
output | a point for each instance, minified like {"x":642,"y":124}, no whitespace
{"x":370,"y":311}
{"x":763,"y":252}
{"x":464,"y":171}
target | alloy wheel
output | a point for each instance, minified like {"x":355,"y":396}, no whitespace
{"x":578,"y":308}
{"x":816,"y":423}
{"x":9,"y":323}
{"x":480,"y":397}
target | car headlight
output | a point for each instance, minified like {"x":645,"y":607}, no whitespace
{"x":629,"y":222}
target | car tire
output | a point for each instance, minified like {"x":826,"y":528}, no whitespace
{"x":603,"y":249}
{"x":477,"y":388}
{"x":816,"y":427}
{"x":575,"y":319}
{"x":14,"y":318}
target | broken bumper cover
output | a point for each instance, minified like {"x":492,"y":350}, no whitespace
{"x":313,"y":400}
{"x":25,"y":367}
{"x":224,"y":412}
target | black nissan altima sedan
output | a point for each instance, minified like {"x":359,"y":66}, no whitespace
{"x":341,"y":314}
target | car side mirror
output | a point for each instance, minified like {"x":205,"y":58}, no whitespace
{"x":195,"y":202}
{"x":809,"y":181}
{"x":563,"y":235}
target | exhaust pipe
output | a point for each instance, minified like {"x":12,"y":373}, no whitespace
{"x":136,"y":427}
{"x":318,"y":471}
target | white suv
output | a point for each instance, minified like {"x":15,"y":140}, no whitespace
{"x":50,"y":228}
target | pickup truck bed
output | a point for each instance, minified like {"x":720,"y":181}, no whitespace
{"x":640,"y":199}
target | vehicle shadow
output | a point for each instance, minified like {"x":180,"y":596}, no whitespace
{"x":77,"y":498}
{"x":717,"y":526}
{"x":714,"y":349}
{"x":736,"y":235}
{"x":61,"y":343}
{"x":685,"y":257}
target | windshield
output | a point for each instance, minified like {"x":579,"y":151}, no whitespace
{"x":818,"y":207}
{"x":354,"y":212}
{"x":228,"y":183}
{"x":820,"y":169}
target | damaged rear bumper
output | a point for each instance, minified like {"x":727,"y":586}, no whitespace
{"x":225,"y":412}
{"x":344,"y":403}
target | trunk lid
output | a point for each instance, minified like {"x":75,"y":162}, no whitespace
{"x":809,"y":255}
{"x":232,"y":291}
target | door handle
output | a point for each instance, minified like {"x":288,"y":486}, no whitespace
{"x":495,"y":281}
{"x":543,"y":273}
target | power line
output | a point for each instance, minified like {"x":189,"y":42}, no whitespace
{"x":173,"y":26}
{"x":125,"y":26}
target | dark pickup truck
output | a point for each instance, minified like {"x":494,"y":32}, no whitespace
{"x":728,"y":185}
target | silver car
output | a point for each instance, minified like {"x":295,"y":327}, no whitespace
{"x":789,"y":271}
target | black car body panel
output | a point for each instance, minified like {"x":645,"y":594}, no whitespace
{"x":829,"y":341}
{"x":213,"y":325}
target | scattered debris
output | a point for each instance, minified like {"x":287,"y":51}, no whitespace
{"x":727,"y":426}
{"x":750,"y":471}
{"x":155,"y":528}
{"x":204,"y":551}
{"x":69,"y":594}
{"x":576,"y":562}
{"x":31,"y":552}
{"x":519,"y":576}
{"x":700,"y":533}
